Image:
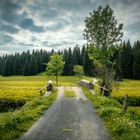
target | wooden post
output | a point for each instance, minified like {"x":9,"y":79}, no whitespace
{"x":40,"y":90}
{"x":125,"y":103}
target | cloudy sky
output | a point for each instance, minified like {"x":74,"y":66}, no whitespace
{"x":57,"y":24}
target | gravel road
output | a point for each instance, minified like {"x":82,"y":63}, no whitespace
{"x":68,"y":119}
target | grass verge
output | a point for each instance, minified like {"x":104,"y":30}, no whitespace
{"x":13,"y":124}
{"x":69,"y":93}
{"x":122,"y":126}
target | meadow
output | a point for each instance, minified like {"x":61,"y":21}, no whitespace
{"x":25,"y":88}
{"x":130,"y":87}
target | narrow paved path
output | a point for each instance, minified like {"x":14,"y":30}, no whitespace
{"x":68,"y":119}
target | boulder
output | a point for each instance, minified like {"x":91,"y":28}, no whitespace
{"x":86,"y":83}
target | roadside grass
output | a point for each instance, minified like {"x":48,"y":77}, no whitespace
{"x":121,"y":126}
{"x":13,"y":124}
{"x":69,"y":93}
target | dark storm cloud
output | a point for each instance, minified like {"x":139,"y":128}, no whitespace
{"x":9,"y":29}
{"x":29,"y":24}
{"x":9,"y":14}
{"x":8,"y":10}
{"x":5,"y":39}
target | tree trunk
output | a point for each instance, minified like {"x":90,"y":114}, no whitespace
{"x":56,"y":80}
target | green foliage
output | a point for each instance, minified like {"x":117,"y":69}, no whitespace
{"x":101,"y":28}
{"x":55,"y":66}
{"x":78,"y":70}
{"x":102,"y":34}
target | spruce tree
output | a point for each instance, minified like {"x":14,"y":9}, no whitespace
{"x":26,"y":68}
{"x":88,"y":66}
{"x":126,"y":60}
{"x":33,"y":66}
{"x":136,"y":60}
{"x":17,"y":65}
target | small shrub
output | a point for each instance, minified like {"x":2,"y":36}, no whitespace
{"x":108,"y":112}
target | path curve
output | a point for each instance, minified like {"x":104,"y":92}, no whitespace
{"x":68,"y":119}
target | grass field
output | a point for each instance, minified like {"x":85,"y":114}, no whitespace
{"x":130,"y":87}
{"x":26,"y":87}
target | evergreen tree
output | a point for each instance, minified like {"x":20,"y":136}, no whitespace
{"x":1,"y":65}
{"x":68,"y":66}
{"x":33,"y":66}
{"x":76,"y":56}
{"x":26,"y":68}
{"x":17,"y":65}
{"x":126,"y":60}
{"x":6,"y":69}
{"x":136,"y":60}
{"x":83,"y":53}
{"x":118,"y":70}
{"x":88,"y":66}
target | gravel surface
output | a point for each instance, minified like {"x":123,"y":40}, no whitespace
{"x":68,"y":119}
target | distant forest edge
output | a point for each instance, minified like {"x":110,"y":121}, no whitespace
{"x":32,"y":63}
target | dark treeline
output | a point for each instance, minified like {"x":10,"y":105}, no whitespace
{"x":31,"y":63}
{"x":129,"y":60}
